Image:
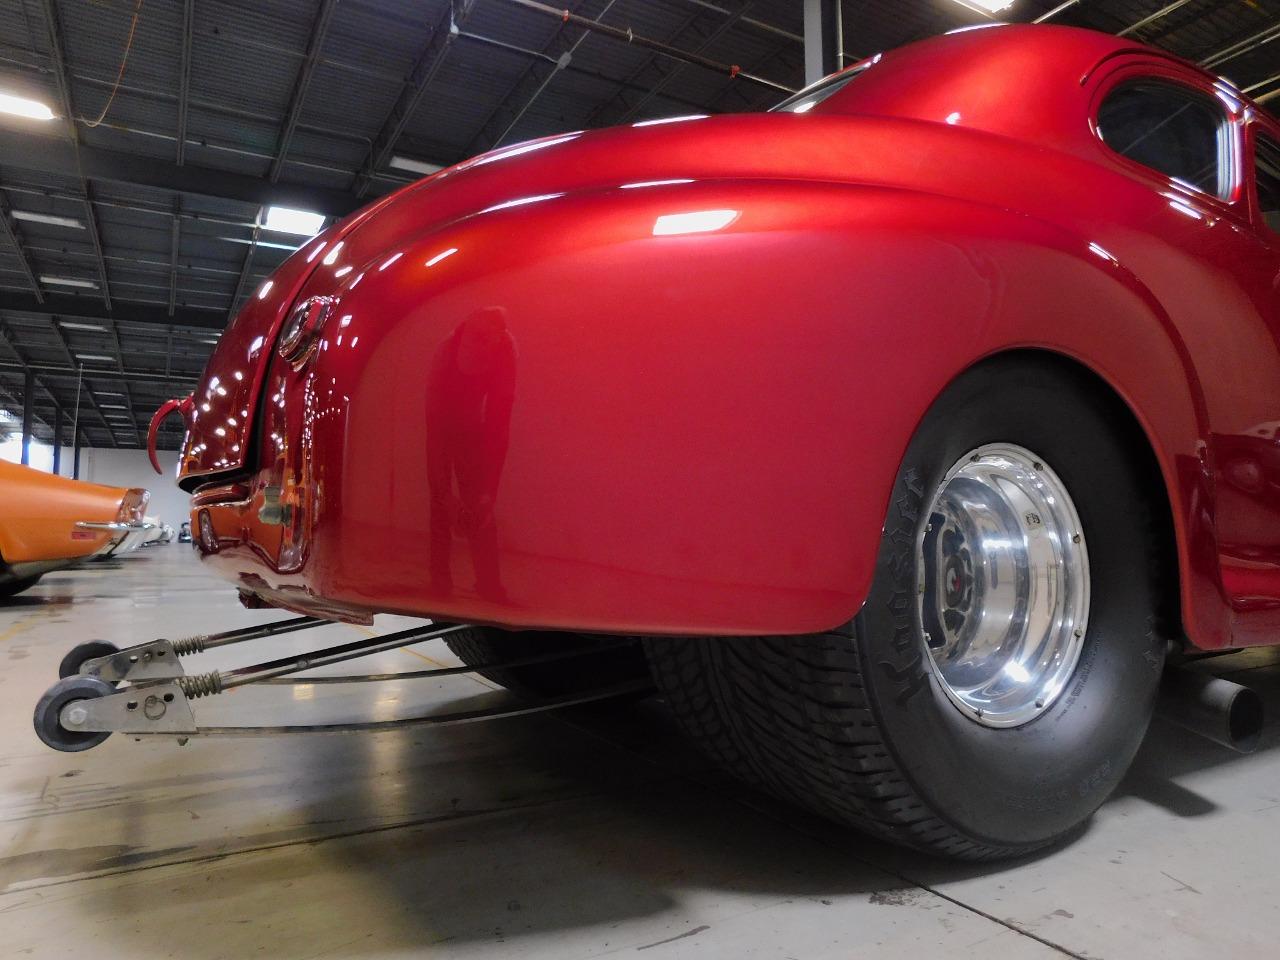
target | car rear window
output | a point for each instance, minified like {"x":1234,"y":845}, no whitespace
{"x":1268,"y":166}
{"x":811,"y":96}
{"x":1172,"y":129}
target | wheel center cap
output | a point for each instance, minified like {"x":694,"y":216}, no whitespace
{"x":1003,"y":585}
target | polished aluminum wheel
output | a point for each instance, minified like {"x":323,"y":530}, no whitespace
{"x":1003,"y":585}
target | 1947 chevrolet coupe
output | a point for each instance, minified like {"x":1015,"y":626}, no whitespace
{"x":913,"y":424}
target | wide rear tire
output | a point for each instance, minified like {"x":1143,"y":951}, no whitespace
{"x":859,"y":724}
{"x":611,"y":664}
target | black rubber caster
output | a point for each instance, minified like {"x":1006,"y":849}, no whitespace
{"x":82,"y":653}
{"x":48,"y":714}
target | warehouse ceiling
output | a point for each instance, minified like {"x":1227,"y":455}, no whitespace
{"x":130,"y":234}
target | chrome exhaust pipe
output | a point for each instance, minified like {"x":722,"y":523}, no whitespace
{"x":1219,"y":710}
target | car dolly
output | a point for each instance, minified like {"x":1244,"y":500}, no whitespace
{"x":143,"y":690}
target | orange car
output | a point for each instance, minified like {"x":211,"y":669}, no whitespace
{"x":47,"y":522}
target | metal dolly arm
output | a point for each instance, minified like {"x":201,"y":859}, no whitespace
{"x":158,"y":659}
{"x":82,"y":710}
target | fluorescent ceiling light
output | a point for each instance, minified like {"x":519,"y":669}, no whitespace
{"x":986,"y":6}
{"x":208,"y":340}
{"x":414,"y":166}
{"x":113,"y":406}
{"x":72,"y":325}
{"x":94,"y":356}
{"x":22,"y":107}
{"x":287,"y":220}
{"x":32,"y":217}
{"x":69,"y":282}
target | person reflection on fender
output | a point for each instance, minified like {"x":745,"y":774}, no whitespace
{"x":470,"y":391}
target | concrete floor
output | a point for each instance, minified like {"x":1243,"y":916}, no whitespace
{"x":563,"y":836}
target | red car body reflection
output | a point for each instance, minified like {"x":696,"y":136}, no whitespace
{"x":660,"y":378}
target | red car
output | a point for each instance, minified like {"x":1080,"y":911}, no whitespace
{"x":913,"y":423}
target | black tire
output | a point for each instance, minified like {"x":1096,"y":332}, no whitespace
{"x":611,"y":665}
{"x":48,"y":714}
{"x":81,"y":653}
{"x":853,"y":724}
{"x":12,"y":588}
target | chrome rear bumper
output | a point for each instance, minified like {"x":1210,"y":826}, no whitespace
{"x":128,"y":534}
{"x":116,"y":526}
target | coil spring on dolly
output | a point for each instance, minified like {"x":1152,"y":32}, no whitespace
{"x":185,"y":646}
{"x":200,"y":685}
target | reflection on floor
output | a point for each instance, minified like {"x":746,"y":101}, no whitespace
{"x":560,"y":836}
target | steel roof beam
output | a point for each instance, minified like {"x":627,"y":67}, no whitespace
{"x":15,"y":238}
{"x":174,"y":242}
{"x":669,"y":71}
{"x":86,"y":308}
{"x":319,"y":29}
{"x":184,"y":79}
{"x":124,"y":381}
{"x":140,"y":264}
{"x":779,"y":53}
{"x":637,"y":76}
{"x":45,"y":155}
{"x":537,"y":55}
{"x":39,"y":368}
{"x":209,"y":106}
{"x":1158,"y":15}
{"x":759,"y":25}
{"x":1060,"y":8}
{"x":88,"y":392}
{"x":1262,"y":84}
{"x":244,"y":273}
{"x":11,"y":341}
{"x":627,"y":35}
{"x":443,"y":35}
{"x":55,"y":372}
{"x":136,"y":206}
{"x":556,"y":56}
{"x":59,"y":60}
{"x":1247,"y":45}
{"x":95,"y":236}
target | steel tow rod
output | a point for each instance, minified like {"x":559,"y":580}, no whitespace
{"x":161,"y":706}
{"x":158,"y":659}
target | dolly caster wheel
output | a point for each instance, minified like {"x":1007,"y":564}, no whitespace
{"x":48,"y":716}
{"x":81,"y":654}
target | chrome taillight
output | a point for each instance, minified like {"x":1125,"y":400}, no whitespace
{"x":302,"y":327}
{"x":133,"y":505}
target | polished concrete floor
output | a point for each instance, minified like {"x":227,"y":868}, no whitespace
{"x":571,"y":835}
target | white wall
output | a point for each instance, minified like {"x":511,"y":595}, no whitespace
{"x":132,"y":468}
{"x":40,"y":454}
